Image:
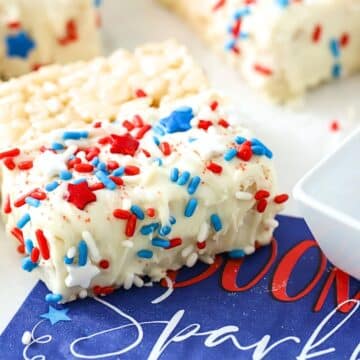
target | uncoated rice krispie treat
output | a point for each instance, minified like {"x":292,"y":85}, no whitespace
{"x":34,"y":33}
{"x":280,"y":47}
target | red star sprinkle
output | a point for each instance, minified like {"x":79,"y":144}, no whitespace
{"x":80,"y":195}
{"x":124,"y":144}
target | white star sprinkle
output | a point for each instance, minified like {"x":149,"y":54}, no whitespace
{"x":81,"y":275}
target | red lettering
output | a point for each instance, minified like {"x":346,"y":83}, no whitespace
{"x":285,"y":268}
{"x":341,"y":281}
{"x":233,"y":266}
{"x":204,"y":275}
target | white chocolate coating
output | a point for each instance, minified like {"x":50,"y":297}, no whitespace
{"x":281,"y":39}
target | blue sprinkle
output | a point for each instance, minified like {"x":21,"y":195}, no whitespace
{"x":148,"y":229}
{"x":72,"y":157}
{"x":240,"y":140}
{"x":160,"y":242}
{"x":68,"y":261}
{"x":136,"y":210}
{"x":23,"y":221}
{"x":109,"y":184}
{"x":57,"y":146}
{"x":244,"y":35}
{"x":258,"y":150}
{"x":194,"y":184}
{"x":174,"y":174}
{"x":230,"y":154}
{"x":145,"y":254}
{"x":183,"y":179}
{"x":19,"y":45}
{"x":178,"y":120}
{"x":83,"y":253}
{"x":230,"y":44}
{"x":268,"y":153}
{"x":51,"y":186}
{"x":119,"y":171}
{"x":283,"y":3}
{"x":79,"y":181}
{"x":158,"y":161}
{"x":32,"y":202}
{"x":97,"y":3}
{"x":102,"y":166}
{"x":165,"y":230}
{"x":336,"y":71}
{"x":95,"y":161}
{"x":75,"y":135}
{"x":242,"y":12}
{"x":65,"y":175}
{"x":172,"y":220}
{"x":28,"y":246}
{"x":190,"y":207}
{"x":216,"y":222}
{"x":236,"y":254}
{"x":191,"y":140}
{"x":158,"y":129}
{"x":53,"y":298}
{"x":334,"y":48}
{"x":27,"y":264}
{"x":156,"y":140}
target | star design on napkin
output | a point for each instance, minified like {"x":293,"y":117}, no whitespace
{"x":19,"y":45}
{"x":55,"y":315}
{"x":81,"y":275}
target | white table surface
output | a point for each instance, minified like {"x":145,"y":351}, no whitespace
{"x":299,"y":134}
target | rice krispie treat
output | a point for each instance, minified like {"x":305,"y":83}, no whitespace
{"x":102,"y":206}
{"x":39,"y":32}
{"x":73,"y":95}
{"x":280,"y":47}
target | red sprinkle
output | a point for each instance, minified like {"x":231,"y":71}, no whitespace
{"x":344,"y":39}
{"x":214,"y":105}
{"x":128,"y":125}
{"x":245,"y":153}
{"x":174,"y":242}
{"x":97,"y":186}
{"x":147,"y":154}
{"x":204,"y":124}
{"x":18,"y":234}
{"x":215,"y":168}
{"x":104,"y":264}
{"x":261,"y":205}
{"x":219,"y":5}
{"x":71,"y":163}
{"x":9,"y":163}
{"x":106,"y":290}
{"x":105,"y":140}
{"x":35,"y":254}
{"x":334,"y":126}
{"x":112,"y":165}
{"x":83,"y":168}
{"x":131,"y":225}
{"x":263,"y":70}
{"x":201,"y":245}
{"x":80,"y":195}
{"x":138,"y":121}
{"x":92,"y":152}
{"x":316,"y":35}
{"x":71,"y":34}
{"x":165,"y":148}
{"x":122,"y":214}
{"x":223,"y":123}
{"x":21,"y":200}
{"x":150,"y":212}
{"x":132,"y":170}
{"x":7,"y":205}
{"x":279,"y":199}
{"x":117,"y":180}
{"x":38,"y":194}
{"x":13,"y":25}
{"x":140,"y":93}
{"x":43,"y":244}
{"x":97,"y":125}
{"x":261,"y":194}
{"x":142,"y":131}
{"x":9,"y":153}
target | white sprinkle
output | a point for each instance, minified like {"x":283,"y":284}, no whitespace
{"x":271,"y":223}
{"x":192,"y":259}
{"x":203,"y":232}
{"x":187,"y":251}
{"x":138,"y":281}
{"x":69,"y":152}
{"x":242,"y":195}
{"x":127,"y":243}
{"x":249,"y":249}
{"x":207,"y":259}
{"x":128,"y":282}
{"x":71,"y":252}
{"x":83,"y":294}
{"x":26,"y":338}
{"x":91,"y":243}
{"x":149,"y":284}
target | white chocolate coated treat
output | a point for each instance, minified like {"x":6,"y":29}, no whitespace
{"x":41,"y":32}
{"x":159,"y":188}
{"x":282,"y":48}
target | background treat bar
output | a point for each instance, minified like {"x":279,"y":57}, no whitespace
{"x":41,"y":32}
{"x":73,"y":95}
{"x":280,"y":47}
{"x":106,"y":205}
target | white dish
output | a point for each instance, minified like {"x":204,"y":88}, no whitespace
{"x":329,"y":199}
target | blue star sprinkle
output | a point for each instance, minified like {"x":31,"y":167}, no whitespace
{"x":178,"y":120}
{"x":19,"y":45}
{"x":55,"y":315}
